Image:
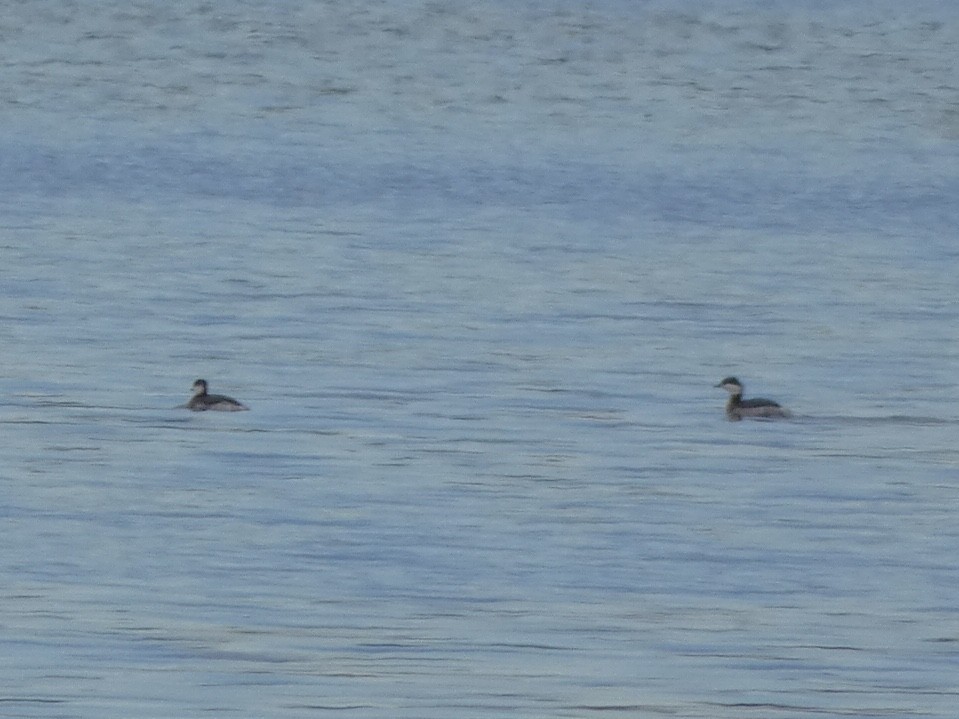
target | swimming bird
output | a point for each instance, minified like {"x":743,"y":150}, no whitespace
{"x":737,"y":407}
{"x":201,"y":401}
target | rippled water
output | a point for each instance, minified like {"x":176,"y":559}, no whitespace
{"x":476,"y":269}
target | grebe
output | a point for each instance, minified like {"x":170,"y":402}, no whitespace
{"x":201,"y":400}
{"x":737,"y":407}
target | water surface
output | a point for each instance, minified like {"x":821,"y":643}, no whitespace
{"x":476,"y":269}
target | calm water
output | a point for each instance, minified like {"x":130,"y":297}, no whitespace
{"x":476,"y":268}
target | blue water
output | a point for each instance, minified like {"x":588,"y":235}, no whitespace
{"x":476,"y":269}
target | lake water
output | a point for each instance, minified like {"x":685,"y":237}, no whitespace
{"x":476,"y":268}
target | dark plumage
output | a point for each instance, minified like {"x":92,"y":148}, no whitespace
{"x":737,"y":407}
{"x":201,"y":401}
